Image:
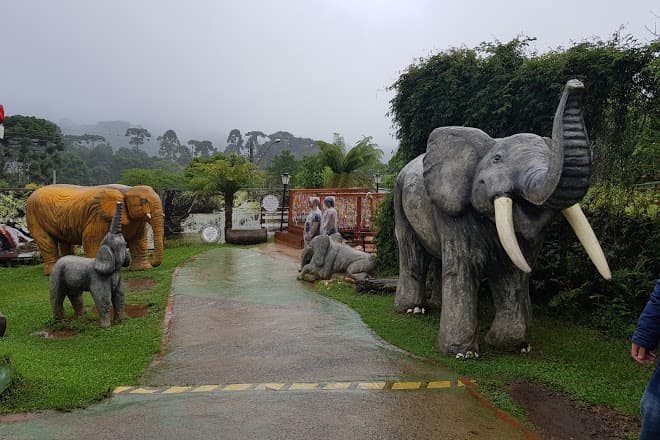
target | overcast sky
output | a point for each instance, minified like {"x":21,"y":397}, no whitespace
{"x":311,"y":67}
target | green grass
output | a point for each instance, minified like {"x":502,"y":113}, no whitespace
{"x":585,"y":365}
{"x":76,"y":371}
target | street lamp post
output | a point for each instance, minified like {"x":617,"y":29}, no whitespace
{"x":285,"y":181}
{"x":377,"y":180}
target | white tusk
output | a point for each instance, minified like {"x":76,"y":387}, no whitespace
{"x":585,"y":234}
{"x":148,"y":216}
{"x":507,"y":234}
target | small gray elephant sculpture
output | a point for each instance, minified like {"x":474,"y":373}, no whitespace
{"x":73,"y":275}
{"x":326,"y":255}
{"x":475,"y":207}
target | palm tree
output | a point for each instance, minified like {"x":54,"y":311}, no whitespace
{"x":345,"y":169}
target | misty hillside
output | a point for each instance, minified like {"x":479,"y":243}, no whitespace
{"x":265,"y":147}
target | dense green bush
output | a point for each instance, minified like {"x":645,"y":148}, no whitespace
{"x":565,"y":282}
{"x":387,"y":258}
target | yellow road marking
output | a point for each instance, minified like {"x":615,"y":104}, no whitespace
{"x":371,"y":385}
{"x":120,"y":390}
{"x":406,"y":385}
{"x":237,"y":387}
{"x":297,"y":386}
{"x":439,"y":384}
{"x":144,"y":391}
{"x":205,"y":388}
{"x":303,"y":386}
{"x":337,"y":386}
{"x":176,"y":390}
{"x":269,"y":386}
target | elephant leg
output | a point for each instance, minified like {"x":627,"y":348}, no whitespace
{"x":101,"y":295}
{"x":47,"y":247}
{"x":57,"y":296}
{"x":138,"y":248}
{"x":458,"y":316}
{"x":359,"y":268}
{"x":76,"y":299}
{"x":513,"y":310}
{"x":118,"y":302}
{"x":413,"y":266}
{"x":435,"y":300}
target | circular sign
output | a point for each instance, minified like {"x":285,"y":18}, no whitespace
{"x":210,"y":234}
{"x":270,"y":203}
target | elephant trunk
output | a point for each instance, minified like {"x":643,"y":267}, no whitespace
{"x":567,"y":178}
{"x":157,"y":221}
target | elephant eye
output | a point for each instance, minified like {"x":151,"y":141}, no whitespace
{"x":497,"y":157}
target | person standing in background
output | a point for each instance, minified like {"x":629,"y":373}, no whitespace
{"x":313,"y":221}
{"x":644,"y":340}
{"x":329,"y":218}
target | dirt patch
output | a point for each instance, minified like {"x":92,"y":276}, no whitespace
{"x":131,"y":310}
{"x":140,"y":284}
{"x":559,"y":418}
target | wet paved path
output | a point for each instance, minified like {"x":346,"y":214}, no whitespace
{"x":255,"y":354}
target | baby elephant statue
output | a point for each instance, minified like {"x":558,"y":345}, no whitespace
{"x":326,"y":255}
{"x":72,"y":275}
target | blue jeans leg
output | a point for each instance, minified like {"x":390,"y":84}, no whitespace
{"x":650,"y":409}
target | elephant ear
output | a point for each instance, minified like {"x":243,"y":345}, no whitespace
{"x":104,"y":262}
{"x":105,"y":201}
{"x":450,"y":163}
{"x":320,"y":249}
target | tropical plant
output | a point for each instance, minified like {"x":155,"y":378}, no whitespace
{"x":345,"y":169}
{"x":225,"y":174}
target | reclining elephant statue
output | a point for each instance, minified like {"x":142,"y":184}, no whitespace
{"x":73,"y":275}
{"x":60,"y":217}
{"x":327,"y":254}
{"x":476,"y":206}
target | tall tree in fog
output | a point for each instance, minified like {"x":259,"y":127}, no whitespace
{"x":137,"y":136}
{"x":169,"y":145}
{"x":234,"y":142}
{"x":201,"y":148}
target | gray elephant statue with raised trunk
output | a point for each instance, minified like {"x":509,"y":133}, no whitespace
{"x":101,"y":276}
{"x":475,"y":207}
{"x":62,"y":216}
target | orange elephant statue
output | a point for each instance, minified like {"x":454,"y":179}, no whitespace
{"x":60,"y":217}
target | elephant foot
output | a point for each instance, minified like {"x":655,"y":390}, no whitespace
{"x":140,"y":266}
{"x":417,"y":310}
{"x":511,"y":338}
{"x":104,"y":323}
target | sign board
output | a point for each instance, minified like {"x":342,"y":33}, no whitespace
{"x":270,"y":203}
{"x":210,"y":234}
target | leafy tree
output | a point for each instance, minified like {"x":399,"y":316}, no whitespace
{"x":159,"y":180}
{"x":234,"y":142}
{"x":349,"y":168}
{"x":201,"y":148}
{"x":137,"y":136}
{"x":169,"y":145}
{"x":29,"y":150}
{"x":283,"y":162}
{"x":225,"y":174}
{"x":127,"y":158}
{"x":309,"y":173}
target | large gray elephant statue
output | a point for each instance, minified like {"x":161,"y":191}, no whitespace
{"x":476,"y":207}
{"x":328,"y":254}
{"x":101,"y":276}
